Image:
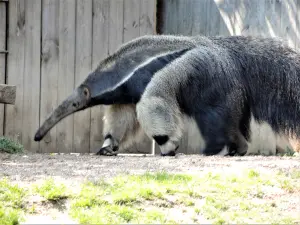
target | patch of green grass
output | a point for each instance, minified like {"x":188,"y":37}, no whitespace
{"x":11,"y":203}
{"x":225,"y":198}
{"x":185,"y":201}
{"x":10,"y":146}
{"x":51,"y":190}
{"x":252,"y":173}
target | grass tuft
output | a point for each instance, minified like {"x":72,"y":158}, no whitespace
{"x":11,"y":203}
{"x":51,"y":190}
{"x":10,"y":146}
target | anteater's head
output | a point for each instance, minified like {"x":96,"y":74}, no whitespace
{"x":80,"y":99}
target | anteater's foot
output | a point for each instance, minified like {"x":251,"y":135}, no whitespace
{"x":171,"y":153}
{"x":108,"y":151}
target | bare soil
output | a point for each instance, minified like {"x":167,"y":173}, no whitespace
{"x":76,"y":168}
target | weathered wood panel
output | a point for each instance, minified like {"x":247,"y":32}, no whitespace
{"x":53,"y":45}
{"x":147,"y":25}
{"x":67,"y":36}
{"x":82,"y":69}
{"x":15,"y":68}
{"x":2,"y":58}
{"x":100,"y":51}
{"x":49,"y":69}
{"x":147,"y":17}
{"x":31,"y":93}
{"x":131,"y":28}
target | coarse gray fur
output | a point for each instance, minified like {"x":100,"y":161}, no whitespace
{"x":211,"y":83}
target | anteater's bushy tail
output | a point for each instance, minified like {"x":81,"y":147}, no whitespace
{"x":270,"y":72}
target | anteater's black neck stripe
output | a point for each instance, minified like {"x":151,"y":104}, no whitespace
{"x":131,"y":88}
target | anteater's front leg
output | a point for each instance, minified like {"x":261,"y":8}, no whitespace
{"x":120,"y":129}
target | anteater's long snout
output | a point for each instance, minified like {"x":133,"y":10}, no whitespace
{"x":79,"y":100}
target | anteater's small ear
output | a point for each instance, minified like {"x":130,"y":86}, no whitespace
{"x":86,"y":92}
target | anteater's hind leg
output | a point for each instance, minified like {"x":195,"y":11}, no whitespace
{"x":120,"y":129}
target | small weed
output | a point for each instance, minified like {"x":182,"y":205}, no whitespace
{"x":287,"y":185}
{"x":295,"y":174}
{"x":125,"y":198}
{"x":11,"y":203}
{"x":10,"y":146}
{"x":197,"y":211}
{"x":252,"y":174}
{"x":9,"y":216}
{"x":51,"y":190}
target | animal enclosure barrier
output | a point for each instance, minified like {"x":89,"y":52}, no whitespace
{"x":53,"y":45}
{"x":49,"y":46}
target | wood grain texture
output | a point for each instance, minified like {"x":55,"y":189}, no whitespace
{"x":100,"y":41}
{"x":7,"y":94}
{"x":66,"y":67}
{"x":131,"y":27}
{"x":15,"y":68}
{"x":147,"y":21}
{"x":49,"y":69}
{"x":116,"y":25}
{"x":82,"y":69}
{"x":147,"y":26}
{"x":2,"y":58}
{"x":288,"y":22}
{"x":31,"y":93}
{"x":132,"y":22}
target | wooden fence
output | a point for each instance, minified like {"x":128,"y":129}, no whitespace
{"x":52,"y":46}
{"x":268,"y":18}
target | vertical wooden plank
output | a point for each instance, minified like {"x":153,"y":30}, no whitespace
{"x":2,"y":58}
{"x":147,"y":25}
{"x":226,"y":10}
{"x":169,"y":18}
{"x":116,"y":24}
{"x":66,"y":70}
{"x":131,"y":28}
{"x":250,"y":18}
{"x":272,"y":18}
{"x":199,"y":22}
{"x":213,"y":19}
{"x":288,"y":21}
{"x":101,"y":9}
{"x":184,"y":12}
{"x":15,"y":68}
{"x":49,"y":69}
{"x":31,"y":94}
{"x":82,"y":69}
{"x":297,"y":42}
{"x":147,"y":17}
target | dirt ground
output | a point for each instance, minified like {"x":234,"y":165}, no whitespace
{"x":75,"y":167}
